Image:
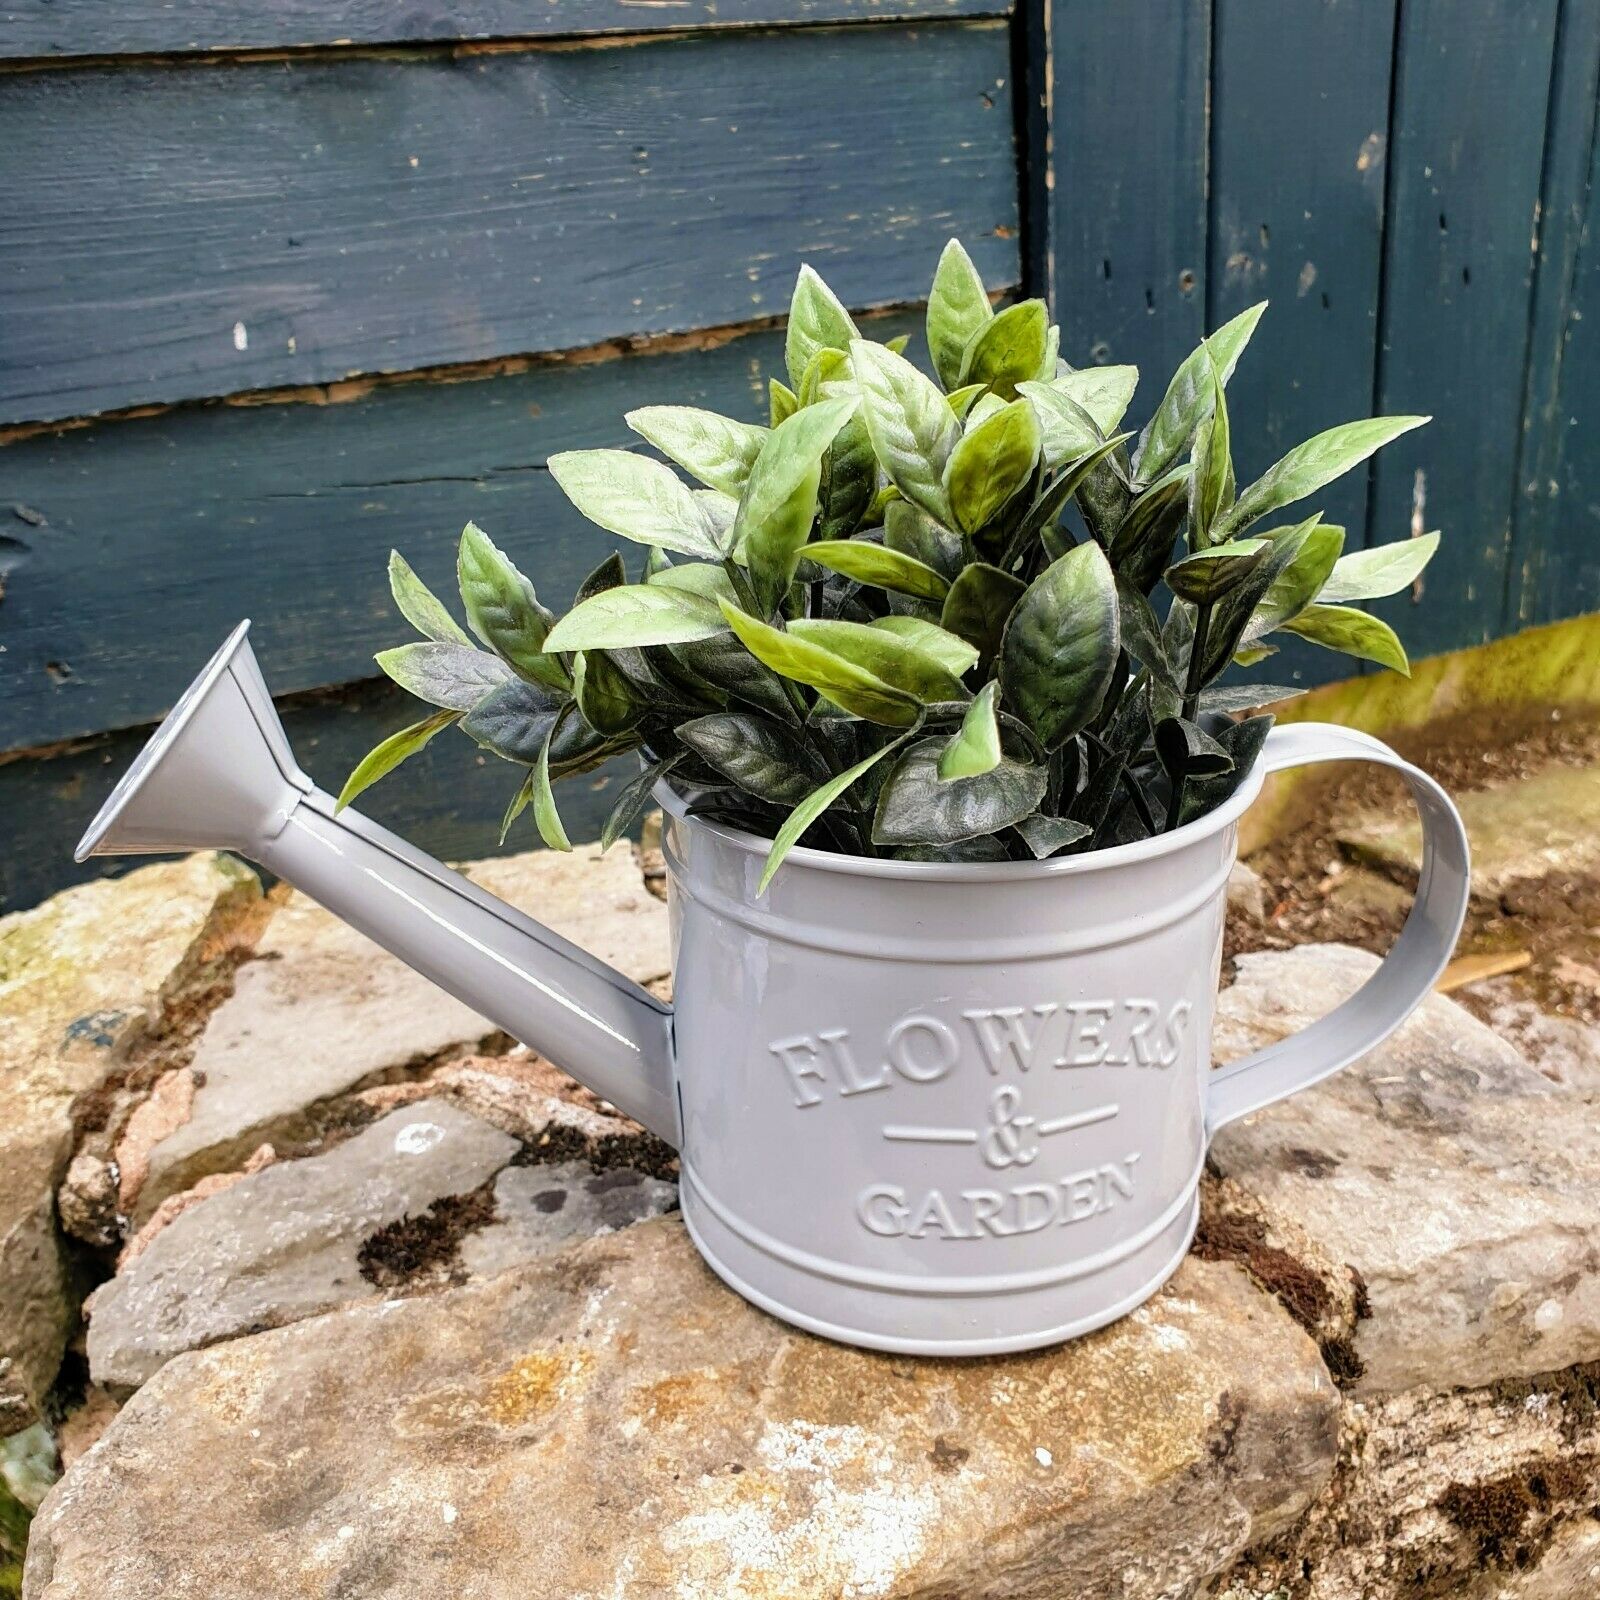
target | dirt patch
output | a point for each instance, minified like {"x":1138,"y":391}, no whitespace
{"x":426,"y":1247}
{"x":1496,"y":1511}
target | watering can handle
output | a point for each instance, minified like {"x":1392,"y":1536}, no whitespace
{"x":1406,"y":975}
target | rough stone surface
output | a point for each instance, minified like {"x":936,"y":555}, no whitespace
{"x":83,"y":979}
{"x":323,"y":1010}
{"x":1458,"y":1183}
{"x":1247,"y":894}
{"x":1565,"y":1050}
{"x":616,"y":1423}
{"x":1538,"y":831}
{"x":283,"y":1243}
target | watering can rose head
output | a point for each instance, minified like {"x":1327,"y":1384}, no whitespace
{"x":914,"y":616}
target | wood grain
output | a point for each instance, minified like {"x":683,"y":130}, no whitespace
{"x":52,"y":29}
{"x":177,"y":233}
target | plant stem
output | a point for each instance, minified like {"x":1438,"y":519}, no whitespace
{"x":1193,"y":683}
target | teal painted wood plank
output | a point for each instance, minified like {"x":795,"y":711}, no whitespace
{"x":1127,"y":226}
{"x":47,"y":29}
{"x":1555,"y":571}
{"x":449,"y":799}
{"x":1473,"y":85}
{"x":135,"y":543}
{"x":1297,"y":196}
{"x":177,"y":233}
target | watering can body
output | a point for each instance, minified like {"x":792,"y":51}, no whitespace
{"x":947,"y":1109}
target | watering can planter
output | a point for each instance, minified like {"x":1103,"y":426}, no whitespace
{"x":940,"y":1109}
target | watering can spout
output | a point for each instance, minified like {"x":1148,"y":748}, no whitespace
{"x":219,"y":774}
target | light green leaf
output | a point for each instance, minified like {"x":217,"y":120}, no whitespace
{"x":958,"y":307}
{"x":1066,"y":429}
{"x":1298,"y":584}
{"x":858,"y":691}
{"x":878,"y":565}
{"x":383,"y":758}
{"x":635,"y":614}
{"x":696,"y":577}
{"x":912,"y":427}
{"x":504,"y":610}
{"x":1060,"y":647}
{"x":1355,"y":633}
{"x":1211,"y":485}
{"x":1188,"y":398}
{"x":420,"y":606}
{"x":813,"y":806}
{"x":974,"y":747}
{"x":1008,"y":349}
{"x":1209,"y":574}
{"x":1386,"y":570}
{"x":990,"y":463}
{"x":605,"y":697}
{"x":891,"y":657}
{"x":1104,"y":393}
{"x":517,"y":805}
{"x":452,"y":676}
{"x":950,"y":650}
{"x":782,"y":402}
{"x":817,"y":319}
{"x":637,"y":498}
{"x":715,"y":449}
{"x":1309,"y":466}
{"x":545,"y":816}
{"x":961,"y":399}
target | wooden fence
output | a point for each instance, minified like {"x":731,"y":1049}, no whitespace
{"x":287,"y":285}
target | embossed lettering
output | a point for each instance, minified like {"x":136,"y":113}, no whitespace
{"x":1177,"y":1027}
{"x":1003,"y":1036}
{"x":937,"y":1057}
{"x":1086,"y":1032}
{"x":799,"y":1067}
{"x":882,"y":1210}
{"x":850,"y":1079}
{"x":1147,"y":1012}
{"x":934,"y":1212}
{"x":986,"y":1206}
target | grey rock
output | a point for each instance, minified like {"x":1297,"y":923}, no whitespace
{"x":1247,"y":894}
{"x":613,"y":1422}
{"x":1457,"y":1182}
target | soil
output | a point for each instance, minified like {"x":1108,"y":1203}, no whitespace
{"x":1314,"y":893}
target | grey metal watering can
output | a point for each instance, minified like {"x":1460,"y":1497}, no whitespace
{"x":943,"y":1109}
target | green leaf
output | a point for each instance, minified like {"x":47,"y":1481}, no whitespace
{"x":634,"y":797}
{"x":715,"y":449}
{"x":1008,"y":349}
{"x":958,"y":307}
{"x":962,"y":399}
{"x":1141,"y":632}
{"x":911,"y":531}
{"x":1309,"y":466}
{"x":1298,"y":584}
{"x":504,"y":610}
{"x":878,"y":565}
{"x":518,"y":804}
{"x":1142,"y":544}
{"x":545,"y":816}
{"x":1232,"y":612}
{"x":383,"y":758}
{"x":762,"y":757}
{"x":849,"y":466}
{"x":917,"y":806}
{"x":1104,"y":393}
{"x":974,"y":747}
{"x":813,"y":806}
{"x":1209,"y":574}
{"x":782,"y":402}
{"x":1184,"y":748}
{"x":453,"y":676}
{"x":859,"y":691}
{"x":1211,"y":485}
{"x":1067,"y":431}
{"x":635,"y":614}
{"x":979,"y":604}
{"x":1355,"y":633}
{"x":420,"y":606}
{"x":817,"y":320}
{"x":1060,"y":647}
{"x":1229,"y":698}
{"x":779,"y":503}
{"x":950,"y":650}
{"x":610,"y":574}
{"x":1242,"y":741}
{"x":990,"y":463}
{"x":637,"y":498}
{"x":912,"y":427}
{"x":1046,"y":835}
{"x":696,"y":577}
{"x":1187,"y":401}
{"x":888,"y":656}
{"x":604,"y":695}
{"x":512,"y":721}
{"x":899,"y":343}
{"x":1372,"y":574}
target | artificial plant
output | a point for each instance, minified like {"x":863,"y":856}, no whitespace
{"x":914,"y":616}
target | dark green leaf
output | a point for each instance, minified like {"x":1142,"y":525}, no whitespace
{"x":383,"y":758}
{"x":715,"y":449}
{"x":1209,"y":574}
{"x":1046,"y":835}
{"x":760,"y":756}
{"x":1060,"y":646}
{"x":979,"y":604}
{"x":636,"y":614}
{"x":916,"y":806}
{"x":604,"y":695}
{"x":957,"y":308}
{"x":610,"y":574}
{"x":1142,"y":544}
{"x":990,"y":463}
{"x":504,"y":611}
{"x":1184,"y":748}
{"x":634,"y":798}
{"x":1230,"y":616}
{"x":1242,"y":741}
{"x":1355,"y":633}
{"x":454,"y":677}
{"x":513,"y":721}
{"x":420,"y":606}
{"x":1141,"y":632}
{"x":985,"y":847}
{"x":1008,"y":349}
{"x":518,"y":804}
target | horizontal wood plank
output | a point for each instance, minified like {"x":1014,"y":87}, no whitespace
{"x":449,"y":799}
{"x":177,"y":233}
{"x":135,"y":544}
{"x":53,"y":29}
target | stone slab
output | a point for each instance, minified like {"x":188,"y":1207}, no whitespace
{"x":83,"y":978}
{"x":323,"y":1009}
{"x":1458,"y":1183}
{"x":614,"y":1423}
